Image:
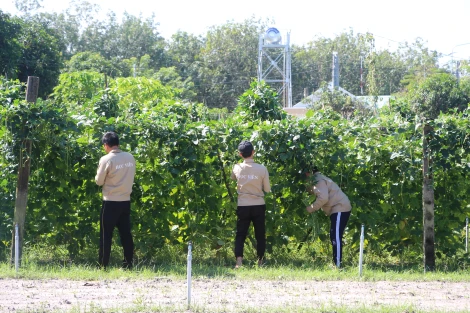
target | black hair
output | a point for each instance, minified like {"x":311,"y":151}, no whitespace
{"x":309,"y":169}
{"x":111,"y":139}
{"x":245,"y":148}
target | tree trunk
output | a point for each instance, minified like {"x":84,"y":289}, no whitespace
{"x":428,"y":203}
{"x":24,"y":167}
{"x":21,"y":197}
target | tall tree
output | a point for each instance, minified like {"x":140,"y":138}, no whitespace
{"x":28,"y":6}
{"x":93,"y":61}
{"x":184,"y":52}
{"x":389,"y":70}
{"x":230,"y":58}
{"x":133,"y":37}
{"x":420,"y":62}
{"x":437,"y":93}
{"x":10,"y":46}
{"x":68,"y":26}
{"x":65,"y":28}
{"x":168,"y":76}
{"x":184,"y":55}
{"x":40,"y":56}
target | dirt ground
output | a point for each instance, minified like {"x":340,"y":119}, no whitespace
{"x":226,"y":295}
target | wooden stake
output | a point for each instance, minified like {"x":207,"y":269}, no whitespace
{"x":428,"y":203}
{"x":24,"y":167}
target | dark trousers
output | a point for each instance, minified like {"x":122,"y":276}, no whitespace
{"x":246,"y":215}
{"x":338,"y":224}
{"x":116,"y":214}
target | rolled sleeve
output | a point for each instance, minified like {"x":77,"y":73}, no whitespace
{"x":101,"y":173}
{"x":321,"y":192}
{"x":266,"y":184}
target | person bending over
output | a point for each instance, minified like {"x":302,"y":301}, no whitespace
{"x":334,"y":202}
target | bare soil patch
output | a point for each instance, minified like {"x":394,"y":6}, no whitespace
{"x":225,"y":295}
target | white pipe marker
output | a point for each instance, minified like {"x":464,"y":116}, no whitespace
{"x":190,"y":257}
{"x":361,"y":249}
{"x":17,"y":248}
{"x":466,"y":235}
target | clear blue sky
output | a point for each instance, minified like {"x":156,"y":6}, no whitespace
{"x":443,"y":25}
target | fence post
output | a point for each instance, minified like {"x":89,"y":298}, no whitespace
{"x":361,"y":249}
{"x":22,"y":182}
{"x":466,"y":235}
{"x":190,"y":257}
{"x":17,"y":249}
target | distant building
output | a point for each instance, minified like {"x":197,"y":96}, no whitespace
{"x":369,"y":101}
{"x":301,"y":108}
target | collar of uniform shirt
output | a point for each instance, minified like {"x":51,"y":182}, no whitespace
{"x":249,"y":160}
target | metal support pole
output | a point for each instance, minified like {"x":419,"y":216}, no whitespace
{"x":17,"y":248}
{"x":190,"y":257}
{"x":361,"y":249}
{"x":466,"y":235}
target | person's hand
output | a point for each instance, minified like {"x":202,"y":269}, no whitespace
{"x":309,"y":209}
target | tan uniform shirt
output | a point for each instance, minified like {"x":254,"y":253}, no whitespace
{"x":329,"y":196}
{"x":115,"y":173}
{"x":252,"y":179}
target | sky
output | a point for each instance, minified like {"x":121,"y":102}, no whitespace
{"x":443,"y":25}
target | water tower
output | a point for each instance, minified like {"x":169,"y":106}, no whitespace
{"x":274,"y":64}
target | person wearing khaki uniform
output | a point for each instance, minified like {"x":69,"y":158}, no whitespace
{"x":334,"y":202}
{"x":116,"y":171}
{"x":252,"y":182}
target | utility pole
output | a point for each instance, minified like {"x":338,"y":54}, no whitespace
{"x":335,"y":70}
{"x":362,"y":82}
{"x":452,"y":54}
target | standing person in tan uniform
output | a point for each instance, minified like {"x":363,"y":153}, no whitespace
{"x":335,"y":204}
{"x":115,"y":173}
{"x":252,"y":182}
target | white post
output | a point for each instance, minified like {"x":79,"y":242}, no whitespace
{"x":361,"y":249}
{"x":17,"y":248}
{"x":190,"y":257}
{"x":466,"y":235}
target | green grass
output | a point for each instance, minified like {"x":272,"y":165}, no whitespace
{"x":41,"y":262}
{"x":275,"y":272}
{"x":283,"y":263}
